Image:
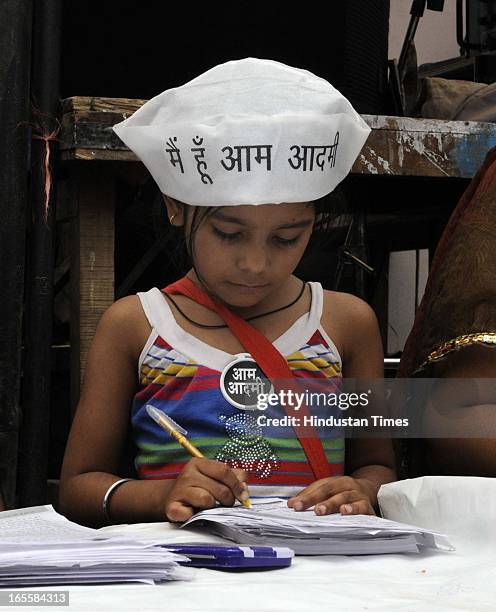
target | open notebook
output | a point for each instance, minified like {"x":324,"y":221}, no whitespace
{"x":271,"y":522}
{"x":39,"y":547}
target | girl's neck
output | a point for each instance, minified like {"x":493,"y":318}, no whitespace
{"x":278,"y":298}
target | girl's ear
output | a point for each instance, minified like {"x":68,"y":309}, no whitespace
{"x":175,"y":211}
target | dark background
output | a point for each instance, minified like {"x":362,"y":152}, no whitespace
{"x":137,"y":49}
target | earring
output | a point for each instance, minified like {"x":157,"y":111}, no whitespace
{"x":171,"y":218}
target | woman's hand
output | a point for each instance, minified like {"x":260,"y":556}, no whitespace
{"x":200,"y":485}
{"x":338,"y":494}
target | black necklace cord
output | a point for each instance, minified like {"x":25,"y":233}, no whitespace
{"x":264,"y":314}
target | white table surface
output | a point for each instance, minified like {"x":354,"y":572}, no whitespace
{"x":432,"y":580}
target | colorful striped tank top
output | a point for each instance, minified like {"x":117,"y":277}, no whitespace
{"x":180,"y":374}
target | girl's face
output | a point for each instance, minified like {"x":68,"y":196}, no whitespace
{"x":243,"y":254}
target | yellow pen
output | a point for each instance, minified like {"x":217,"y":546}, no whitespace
{"x":179,"y":434}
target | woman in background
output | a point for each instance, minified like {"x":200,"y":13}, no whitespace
{"x":454,"y":337}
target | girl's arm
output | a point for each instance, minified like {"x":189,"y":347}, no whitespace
{"x":98,"y":433}
{"x":369,"y":463}
{"x":100,"y":427}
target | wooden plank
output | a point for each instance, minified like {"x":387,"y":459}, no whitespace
{"x":92,"y":260}
{"x":403,"y":146}
{"x":400,"y":146}
{"x":99,"y":155}
{"x":89,"y":130}
{"x":124,"y":106}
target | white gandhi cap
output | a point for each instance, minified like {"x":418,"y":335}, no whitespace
{"x":248,"y":131}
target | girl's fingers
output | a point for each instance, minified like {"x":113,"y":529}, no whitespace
{"x":178,"y":512}
{"x":362,"y":506}
{"x":216,"y":490}
{"x":186,"y":501}
{"x":240,"y":474}
{"x":309,"y":498}
{"x":219,"y":492}
{"x":334,"y":503}
{"x":305,"y":491}
{"x":201,"y":493}
{"x":221,"y":472}
{"x":321,"y":490}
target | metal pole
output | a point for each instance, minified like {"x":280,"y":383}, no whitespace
{"x":416,"y":12}
{"x":33,"y":457}
{"x":15,"y":52}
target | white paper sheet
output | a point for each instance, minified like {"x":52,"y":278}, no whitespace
{"x":39,"y":546}
{"x":273,"y":523}
{"x":41,"y":524}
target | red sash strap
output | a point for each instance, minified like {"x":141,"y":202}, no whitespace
{"x":270,"y":361}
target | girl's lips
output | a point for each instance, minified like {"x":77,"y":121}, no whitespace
{"x":243,"y":286}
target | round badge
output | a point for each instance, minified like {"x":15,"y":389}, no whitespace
{"x":242,"y":381}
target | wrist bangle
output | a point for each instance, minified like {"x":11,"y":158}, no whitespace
{"x":106,"y":498}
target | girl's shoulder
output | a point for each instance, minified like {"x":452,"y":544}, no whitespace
{"x":347,"y":306}
{"x":124,"y":312}
{"x":348,"y":319}
{"x":125,"y":323}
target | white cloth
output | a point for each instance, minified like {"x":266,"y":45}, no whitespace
{"x":460,"y":506}
{"x":248,"y":131}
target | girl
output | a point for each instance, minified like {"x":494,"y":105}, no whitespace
{"x":241,"y":153}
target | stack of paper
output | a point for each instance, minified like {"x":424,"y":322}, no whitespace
{"x":40,"y":547}
{"x":271,"y":522}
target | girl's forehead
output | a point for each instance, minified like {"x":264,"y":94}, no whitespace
{"x":267,"y":214}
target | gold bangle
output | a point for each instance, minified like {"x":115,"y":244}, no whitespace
{"x":106,"y":498}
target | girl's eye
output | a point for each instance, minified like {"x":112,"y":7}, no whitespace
{"x":285,"y":241}
{"x":226,"y":235}
{"x":233,"y":236}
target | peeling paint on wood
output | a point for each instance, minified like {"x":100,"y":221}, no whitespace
{"x":407,"y":146}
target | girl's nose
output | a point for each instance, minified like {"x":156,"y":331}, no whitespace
{"x":253,"y":260}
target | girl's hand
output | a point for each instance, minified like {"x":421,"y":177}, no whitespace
{"x":200,"y":485}
{"x":338,"y":494}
